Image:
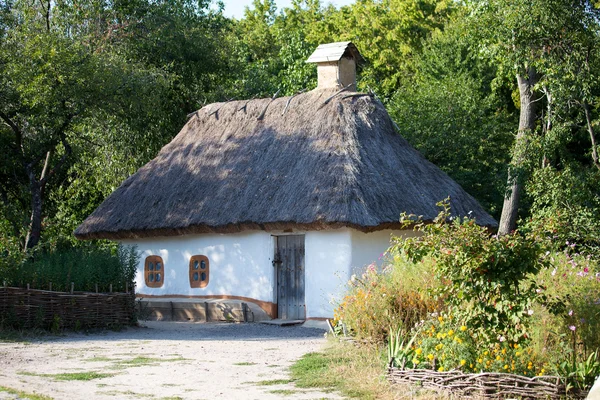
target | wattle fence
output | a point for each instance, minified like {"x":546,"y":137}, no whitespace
{"x":487,"y":385}
{"x":45,"y":309}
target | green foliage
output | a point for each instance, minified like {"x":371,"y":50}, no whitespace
{"x":565,"y":209}
{"x":85,"y":266}
{"x":397,"y":298}
{"x":581,"y":375}
{"x":485,"y":279}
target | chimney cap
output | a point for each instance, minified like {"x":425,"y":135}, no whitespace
{"x":334,"y":52}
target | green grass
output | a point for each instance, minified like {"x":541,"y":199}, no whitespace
{"x":24,"y":395}
{"x":100,"y":359}
{"x":72,"y":376}
{"x":9,"y":335}
{"x":355,"y":371}
{"x":141,"y":361}
{"x":244,"y":363}
{"x":274,"y":382}
{"x":283,"y":392}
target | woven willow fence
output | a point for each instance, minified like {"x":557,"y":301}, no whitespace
{"x":26,"y":308}
{"x":486,"y":385}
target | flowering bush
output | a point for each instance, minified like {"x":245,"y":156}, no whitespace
{"x":443,"y":345}
{"x":486,"y":280}
{"x":395,"y":298}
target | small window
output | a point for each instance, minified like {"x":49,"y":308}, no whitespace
{"x":154,"y":271}
{"x":199,"y":271}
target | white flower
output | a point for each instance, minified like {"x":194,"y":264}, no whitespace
{"x":529,"y":312}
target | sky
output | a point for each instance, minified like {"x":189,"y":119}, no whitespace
{"x":235,"y":8}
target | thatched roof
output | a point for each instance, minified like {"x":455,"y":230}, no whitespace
{"x":278,"y":164}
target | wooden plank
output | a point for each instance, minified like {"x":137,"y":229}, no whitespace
{"x":301,"y":288}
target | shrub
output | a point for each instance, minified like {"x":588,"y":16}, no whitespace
{"x":569,"y":317}
{"x":396,"y":298}
{"x":85,"y":266}
{"x":485,"y":280}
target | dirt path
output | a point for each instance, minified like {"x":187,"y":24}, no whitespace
{"x":164,"y":360}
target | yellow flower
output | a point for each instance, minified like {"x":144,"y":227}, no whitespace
{"x":463,"y":328}
{"x":503,"y":351}
{"x":518,"y":353}
{"x":485,"y":353}
{"x":441,"y":369}
{"x":439,"y":346}
{"x":471,"y":366}
{"x":450,"y":332}
{"x":415,"y":361}
{"x":498,"y":358}
{"x":480,"y":360}
{"x":439,"y":335}
{"x":463,"y":362}
{"x":505,"y":366}
{"x":430,"y":356}
{"x":418,"y":351}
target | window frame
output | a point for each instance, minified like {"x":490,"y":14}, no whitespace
{"x":199,"y":284}
{"x":147,"y":272}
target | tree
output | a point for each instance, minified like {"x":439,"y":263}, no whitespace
{"x":93,"y":89}
{"x":530,"y":38}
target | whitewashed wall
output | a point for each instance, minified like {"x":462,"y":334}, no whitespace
{"x":327,"y":265}
{"x":369,"y":248}
{"x":241,"y":264}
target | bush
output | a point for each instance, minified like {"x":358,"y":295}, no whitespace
{"x":85,"y":266}
{"x":486,"y":281}
{"x":396,"y":298}
{"x":569,"y":314}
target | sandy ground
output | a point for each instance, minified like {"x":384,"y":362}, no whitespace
{"x":165,"y":360}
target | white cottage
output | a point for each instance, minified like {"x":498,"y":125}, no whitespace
{"x":275,"y":202}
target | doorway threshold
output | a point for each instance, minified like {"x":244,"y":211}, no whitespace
{"x":283,"y":322}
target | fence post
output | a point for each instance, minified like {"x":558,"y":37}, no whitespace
{"x":28,"y":286}
{"x":72,"y":287}
{"x":126,"y":287}
{"x":96,"y":288}
{"x":50,"y":286}
{"x":110,"y":288}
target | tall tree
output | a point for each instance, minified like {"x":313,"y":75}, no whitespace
{"x":529,"y":38}
{"x":90,"y":88}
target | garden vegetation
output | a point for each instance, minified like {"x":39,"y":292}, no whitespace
{"x":456,"y":297}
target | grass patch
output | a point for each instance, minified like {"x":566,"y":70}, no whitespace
{"x":283,"y":392}
{"x":24,"y":395}
{"x":244,"y":363}
{"x":355,"y":371}
{"x":72,"y":376}
{"x":141,"y":361}
{"x":25,"y":336}
{"x":100,"y":359}
{"x":274,"y":382}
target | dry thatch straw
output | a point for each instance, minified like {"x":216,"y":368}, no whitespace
{"x":318,"y":166}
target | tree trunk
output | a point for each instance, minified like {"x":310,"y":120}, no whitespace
{"x":37,"y":200}
{"x":527,"y":117}
{"x":588,"y":119}
{"x":35,"y":225}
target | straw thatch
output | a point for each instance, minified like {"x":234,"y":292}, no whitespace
{"x":299,"y":162}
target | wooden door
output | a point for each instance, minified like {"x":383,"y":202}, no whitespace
{"x":289,"y":261}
